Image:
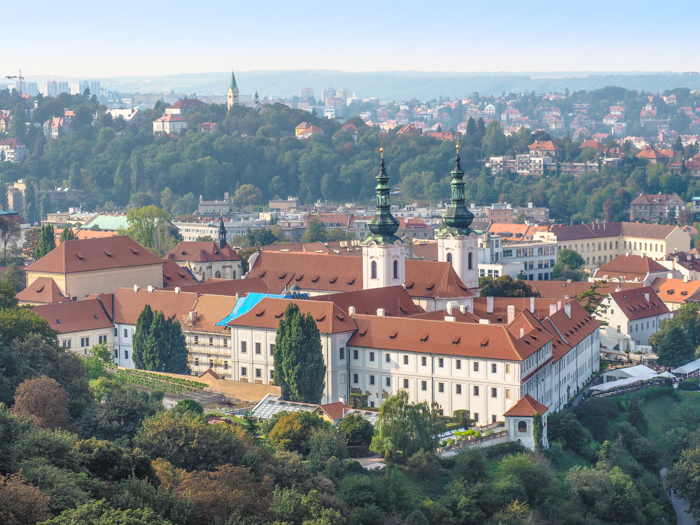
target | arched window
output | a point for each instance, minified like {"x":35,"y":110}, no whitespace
{"x":449,"y":258}
{"x":374,"y":270}
{"x":217,"y":274}
{"x":522,"y":426}
{"x":469,"y":261}
{"x":396,"y":269}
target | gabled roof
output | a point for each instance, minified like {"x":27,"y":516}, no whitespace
{"x":175,"y":275}
{"x":311,"y":271}
{"x":240,"y":287}
{"x":42,"y":290}
{"x":335,"y":411}
{"x":526,"y":407}
{"x":395,"y":301}
{"x":201,"y":251}
{"x":676,"y":290}
{"x":448,"y":338}
{"x":611,"y":229}
{"x":574,"y":329}
{"x":651,"y":153}
{"x":267,"y":314}
{"x":187,"y":103}
{"x":501,"y":304}
{"x":658,"y":198}
{"x":170,"y":118}
{"x":545,"y":145}
{"x":210,"y":310}
{"x":633,"y":303}
{"x":563,"y":290}
{"x":84,"y":255}
{"x":74,"y":316}
{"x":629,"y":268}
{"x":128,"y":304}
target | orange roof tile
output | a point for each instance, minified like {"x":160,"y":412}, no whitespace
{"x":202,"y":251}
{"x":42,"y":290}
{"x":634,"y":305}
{"x":74,"y":316}
{"x":526,"y":407}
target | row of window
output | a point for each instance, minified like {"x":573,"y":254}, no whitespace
{"x":211,"y":340}
{"x":84,"y":341}
{"x":424,"y":386}
{"x":258,"y":348}
{"x":211,"y":363}
{"x":258,"y":373}
{"x":631,"y":245}
{"x":423,"y":361}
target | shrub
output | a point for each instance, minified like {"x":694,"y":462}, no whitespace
{"x":424,"y":464}
{"x":565,"y":427}
{"x":689,"y":384}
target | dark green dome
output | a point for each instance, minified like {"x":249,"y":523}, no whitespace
{"x":457,"y":219}
{"x":383,"y":225}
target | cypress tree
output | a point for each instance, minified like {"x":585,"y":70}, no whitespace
{"x":143,"y":328}
{"x":30,"y":204}
{"x":47,"y":241}
{"x":155,"y":345}
{"x":67,"y":234}
{"x":299,"y":365}
{"x":175,"y":353}
{"x":122,"y":182}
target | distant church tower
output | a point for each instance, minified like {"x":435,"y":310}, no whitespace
{"x":457,"y":243}
{"x":232,"y":97}
{"x":383,"y":254}
{"x":222,"y":233}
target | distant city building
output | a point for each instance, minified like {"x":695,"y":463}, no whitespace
{"x":656,"y":207}
{"x":57,"y":127}
{"x":12,"y":150}
{"x":169,"y":124}
{"x":184,"y":106}
{"x":306,"y":93}
{"x":131,"y":116}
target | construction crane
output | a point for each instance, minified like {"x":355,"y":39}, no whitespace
{"x":20,"y":78}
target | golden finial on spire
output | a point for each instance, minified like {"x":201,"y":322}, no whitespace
{"x":457,"y":145}
{"x":381,"y":142}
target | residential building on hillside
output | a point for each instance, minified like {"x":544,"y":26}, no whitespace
{"x":169,"y":124}
{"x":84,"y":267}
{"x":12,"y":150}
{"x":686,"y":264}
{"x":215,"y":207}
{"x":184,"y":106}
{"x":131,"y":116}
{"x":600,"y":243}
{"x":57,"y":127}
{"x":656,"y":207}
{"x":676,"y":292}
{"x":533,"y":259}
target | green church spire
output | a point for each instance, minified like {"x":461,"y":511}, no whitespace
{"x":233,"y":85}
{"x":383,"y":225}
{"x":457,"y":219}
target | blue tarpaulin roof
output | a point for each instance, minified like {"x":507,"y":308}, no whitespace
{"x":247,"y":303}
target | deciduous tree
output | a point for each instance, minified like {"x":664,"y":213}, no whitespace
{"x":44,"y":401}
{"x":22,"y":504}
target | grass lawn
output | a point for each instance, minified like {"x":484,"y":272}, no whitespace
{"x":661,"y":413}
{"x":433,"y":488}
{"x":569,"y":460}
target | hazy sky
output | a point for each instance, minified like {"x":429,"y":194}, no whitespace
{"x":154,"y":37}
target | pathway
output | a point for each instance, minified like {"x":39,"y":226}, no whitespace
{"x":680,"y":506}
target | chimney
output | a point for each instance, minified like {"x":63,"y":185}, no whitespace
{"x":462,"y":309}
{"x":552,"y":309}
{"x":450,"y":306}
{"x":685,"y":278}
{"x":489,"y":305}
{"x":511,"y":313}
{"x":193,"y":316}
{"x":177,"y":289}
{"x":381,"y":312}
{"x":627,"y":254}
{"x":646,"y":296}
{"x":136,"y":288}
{"x":558,"y":305}
{"x":567,"y":310}
{"x":484,"y":321}
{"x":150,"y":289}
{"x":522,"y":333}
{"x":669,"y":275}
{"x":342,"y":398}
{"x":450,"y":319}
{"x":532,"y":305}
{"x":351,"y":310}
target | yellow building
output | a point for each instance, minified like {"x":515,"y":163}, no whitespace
{"x":96,"y":266}
{"x":601,"y":243}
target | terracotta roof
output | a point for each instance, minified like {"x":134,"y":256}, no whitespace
{"x":516,"y":232}
{"x":170,"y":118}
{"x":592,"y":144}
{"x":545,"y":145}
{"x":210,"y":309}
{"x":611,"y":229}
{"x":231,"y":287}
{"x":448,"y":338}
{"x":634,"y":305}
{"x":500,"y":307}
{"x":395,"y":300}
{"x":74,"y":316}
{"x":629,"y":268}
{"x":174,"y":275}
{"x":202,"y":251}
{"x":658,"y":198}
{"x":563,"y":290}
{"x":329,"y":248}
{"x":689,"y":260}
{"x":651,"y":153}
{"x":84,"y":255}
{"x":344,"y":274}
{"x":42,"y":290}
{"x":187,"y":103}
{"x":267,"y":314}
{"x":574,"y":329}
{"x":336,"y":410}
{"x":439,"y":315}
{"x":675,"y":290}
{"x":526,"y":407}
{"x":128,"y":304}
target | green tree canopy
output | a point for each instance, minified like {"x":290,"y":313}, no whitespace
{"x":300,"y":368}
{"x":569,"y":266}
{"x":317,"y":232}
{"x":159,"y":344}
{"x":67,"y":234}
{"x":47,"y":241}
{"x":505,"y":286}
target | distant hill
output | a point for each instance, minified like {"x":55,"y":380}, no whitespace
{"x":400,"y":85}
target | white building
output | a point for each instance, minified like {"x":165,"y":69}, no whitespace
{"x":169,"y":124}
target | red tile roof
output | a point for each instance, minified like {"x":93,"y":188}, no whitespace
{"x":42,"y":290}
{"x":651,"y":153}
{"x":676,"y":290}
{"x":242,"y":287}
{"x":267,"y":314}
{"x":629,"y":268}
{"x":335,"y":411}
{"x":658,"y":198}
{"x":74,"y":316}
{"x":634,"y":305}
{"x":202,"y":251}
{"x":545,"y":145}
{"x":611,"y":229}
{"x":395,"y":301}
{"x":526,"y":407}
{"x":174,"y":275}
{"x":84,"y":255}
{"x":448,"y":338}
